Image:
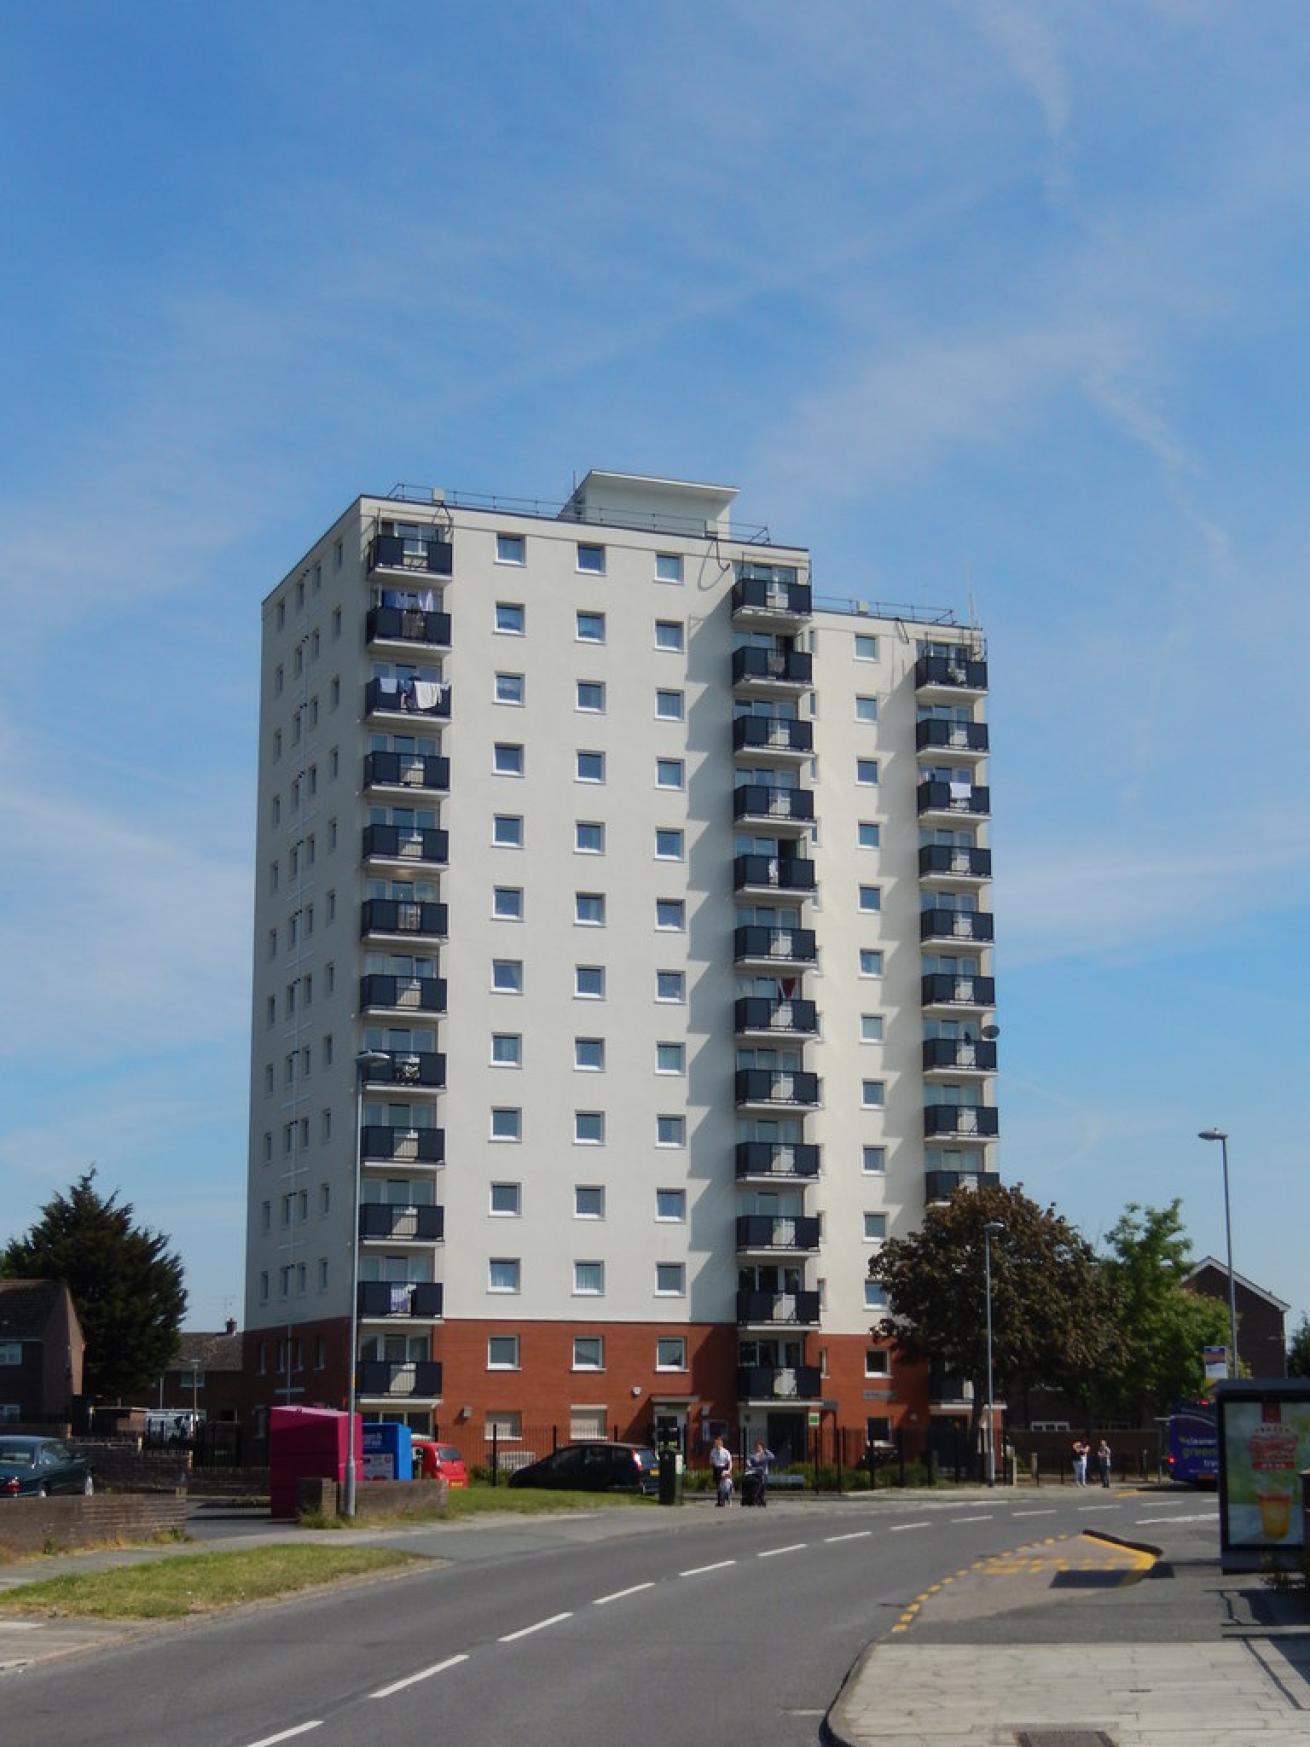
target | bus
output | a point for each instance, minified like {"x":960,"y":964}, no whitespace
{"x":1192,"y":1444}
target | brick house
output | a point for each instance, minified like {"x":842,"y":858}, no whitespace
{"x":41,"y":1352}
{"x":1261,"y":1335}
{"x":206,"y":1375}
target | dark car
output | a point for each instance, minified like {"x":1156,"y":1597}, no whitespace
{"x":593,"y":1468}
{"x":34,"y":1467}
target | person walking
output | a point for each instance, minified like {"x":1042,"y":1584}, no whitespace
{"x":1103,"y":1461}
{"x":1080,"y":1454}
{"x":721,"y":1463}
{"x":755,"y":1487}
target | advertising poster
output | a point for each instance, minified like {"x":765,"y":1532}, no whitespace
{"x":1264,"y":1446}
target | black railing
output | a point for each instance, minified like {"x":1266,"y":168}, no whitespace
{"x":421,"y":1068}
{"x":419,"y":1146}
{"x":405,"y":843}
{"x":399,"y":697}
{"x":763,"y":801}
{"x":951,"y":736}
{"x":780,"y":873}
{"x":778,"y":1383}
{"x":399,"y":1298}
{"x":399,"y":916}
{"x":433,"y":557}
{"x":941,"y":989}
{"x":946,"y":670}
{"x":768,"y":1231}
{"x":780,"y":1159}
{"x":763,"y":1013}
{"x":407,"y":625}
{"x":945,"y":1386}
{"x":960,"y":862}
{"x":961,"y":1119}
{"x":959,"y":1052}
{"x":783,"y":666}
{"x":772,"y":734}
{"x":782,"y":1308}
{"x":941,"y":1185}
{"x":406,"y":770}
{"x":408,"y":994}
{"x":955,"y":925}
{"x":776,"y":1086}
{"x":755,"y":940}
{"x":755,"y":594}
{"x":940,"y":797}
{"x":396,"y":1224}
{"x":399,"y":1379}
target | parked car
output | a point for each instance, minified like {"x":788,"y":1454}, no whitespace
{"x":34,"y":1467}
{"x":593,"y":1468}
{"x":433,"y":1461}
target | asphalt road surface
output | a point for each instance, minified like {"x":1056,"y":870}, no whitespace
{"x":634,"y":1628}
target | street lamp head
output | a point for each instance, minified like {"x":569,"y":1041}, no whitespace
{"x":1212,"y":1134}
{"x":371,"y":1058}
{"x":992,"y":1227}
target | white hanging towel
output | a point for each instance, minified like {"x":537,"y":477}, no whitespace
{"x":961,"y":791}
{"x":428,"y":693}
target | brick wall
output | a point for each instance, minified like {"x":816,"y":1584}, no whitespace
{"x":31,"y":1525}
{"x":123,"y":1468}
{"x":228,"y":1483}
{"x":373,"y":1498}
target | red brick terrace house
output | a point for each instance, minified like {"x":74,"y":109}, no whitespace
{"x":1261,"y":1336}
{"x":206,"y":1375}
{"x":41,"y":1349}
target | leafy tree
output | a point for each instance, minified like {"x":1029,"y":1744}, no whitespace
{"x":126,"y":1285}
{"x":1166,"y":1325}
{"x":1298,"y":1354}
{"x":1054,"y":1318}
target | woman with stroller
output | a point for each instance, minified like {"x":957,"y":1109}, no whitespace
{"x":755,"y":1486}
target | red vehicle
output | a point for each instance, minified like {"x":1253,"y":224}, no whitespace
{"x":433,"y":1461}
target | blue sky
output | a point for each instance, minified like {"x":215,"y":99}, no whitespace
{"x":999,"y":303}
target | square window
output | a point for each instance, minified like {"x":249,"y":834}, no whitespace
{"x":872,"y":1094}
{"x":507,"y":759}
{"x":866,"y":771}
{"x":870,"y":962}
{"x":670,"y":1058}
{"x":509,"y":618}
{"x":670,"y":913}
{"x":671,"y":1205}
{"x":589,"y":837}
{"x":671,"y":1353}
{"x":588,"y":1201}
{"x":874,"y":1160}
{"x":590,"y":767}
{"x":507,"y":903}
{"x":870,"y":1027}
{"x":506,"y":1049}
{"x":875,"y":1295}
{"x":670,"y":1131}
{"x":875,"y":1227}
{"x":502,"y":1350}
{"x":511,"y":549}
{"x":507,"y":975}
{"x":507,"y":830}
{"x":588,"y":1353}
{"x":504,"y":1274}
{"x":589,"y":1052}
{"x":670,"y":1279}
{"x":877,"y":1362}
{"x":589,"y":1127}
{"x":668,"y":567}
{"x":866,"y":648}
{"x":591,"y":627}
{"x":668,"y":844}
{"x":509,"y":688}
{"x":506,"y":1200}
{"x":591,"y":559}
{"x":866,"y":709}
{"x":870,"y":898}
{"x":669,"y":634}
{"x":589,"y":981}
{"x":668,"y":773}
{"x":591,"y":695}
{"x":506,"y":1124}
{"x":668,"y":705}
{"x":867,"y":834}
{"x":589,"y":908}
{"x":588,"y":1278}
{"x":670,"y":985}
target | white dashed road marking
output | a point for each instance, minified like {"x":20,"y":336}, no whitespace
{"x":526,"y":1631}
{"x":286,"y":1735}
{"x":619,"y":1594}
{"x":1083,"y":1507}
{"x":1205,"y":1516}
{"x":773,"y":1552}
{"x":897,"y":1527}
{"x":1034,"y":1513}
{"x":700,"y":1570}
{"x":972,"y":1519}
{"x":859,"y":1535}
{"x":413,"y":1679}
{"x":19,"y":1625}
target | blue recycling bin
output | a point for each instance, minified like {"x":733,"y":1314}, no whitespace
{"x":388,"y":1451}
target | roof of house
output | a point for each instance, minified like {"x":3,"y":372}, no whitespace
{"x":25,"y":1307}
{"x":208,"y":1352}
{"x":1240,"y":1279}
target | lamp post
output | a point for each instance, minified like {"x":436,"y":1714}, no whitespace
{"x":366,"y":1059}
{"x":1219,"y":1135}
{"x":990,"y":1230}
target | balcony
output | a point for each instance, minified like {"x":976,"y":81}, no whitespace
{"x":976,"y":1121}
{"x":408,"y":995}
{"x":959,"y":737}
{"x":775,"y":670}
{"x":421,"y":1071}
{"x":941,"y":989}
{"x":412,"y":626}
{"x":957,"y":1055}
{"x":953,"y":800}
{"x":405,"y":847}
{"x":407,"y":1298}
{"x":772,"y":873}
{"x":779,"y":1383}
{"x":774,"y":1089}
{"x":973,"y":925}
{"x":761,"y":1016}
{"x":944,"y":673}
{"x":384,"y":1222}
{"x":773,"y":736}
{"x":777,"y":1309}
{"x":399,"y":1380}
{"x":755,"y":944}
{"x":434,"y":557}
{"x":403,"y":1146}
{"x":398,"y":919}
{"x":399,"y":697}
{"x":776,"y":1161}
{"x":946,"y":861}
{"x":767,"y":1234}
{"x":941,"y":1185}
{"x":755,"y":599}
{"x":412,"y":772}
{"x":947,"y":1388}
{"x":763,"y":804}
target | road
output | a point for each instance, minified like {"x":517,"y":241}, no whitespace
{"x":630,"y":1626}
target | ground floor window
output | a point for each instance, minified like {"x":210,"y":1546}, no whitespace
{"x":586,"y":1422}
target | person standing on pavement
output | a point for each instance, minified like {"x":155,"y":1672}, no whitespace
{"x":1080,"y":1453}
{"x":1103,"y":1461}
{"x":755,"y":1489}
{"x":721,"y":1463}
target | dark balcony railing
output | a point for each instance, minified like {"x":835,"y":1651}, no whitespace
{"x":407,"y":625}
{"x":408,"y":994}
{"x":786,"y":1309}
{"x":978,"y":1120}
{"x":400,"y":697}
{"x":960,"y":863}
{"x":763,"y":801}
{"x":771,"y":734}
{"x":406,"y":770}
{"x":946,"y":670}
{"x":959,"y":1052}
{"x":755,"y":940}
{"x":940,"y":797}
{"x":422,"y":1068}
{"x":783,"y":666}
{"x":399,"y":916}
{"x":789,"y":1018}
{"x":754,"y":594}
{"x":766,"y":1231}
{"x":401,"y":843}
{"x":941,"y":989}
{"x":776,"y":1086}
{"x":780,"y":873}
{"x":419,"y":1146}
{"x":784,"y":1160}
{"x":941,"y":1185}
{"x":398,"y":1378}
{"x":406,"y":1225}
{"x":396,"y":552}
{"x":778,"y":1383}
{"x":951,"y":736}
{"x":399,"y":1298}
{"x":955,"y":925}
{"x":946,"y":1386}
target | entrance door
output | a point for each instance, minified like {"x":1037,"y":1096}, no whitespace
{"x":671,"y":1427}
{"x":786,"y":1437}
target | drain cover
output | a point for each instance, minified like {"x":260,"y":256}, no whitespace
{"x":1063,"y":1738}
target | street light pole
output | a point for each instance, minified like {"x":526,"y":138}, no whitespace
{"x":365,"y":1060}
{"x":1219,"y":1135}
{"x":989,"y":1230}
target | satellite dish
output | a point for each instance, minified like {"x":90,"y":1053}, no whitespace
{"x":990,"y":1032}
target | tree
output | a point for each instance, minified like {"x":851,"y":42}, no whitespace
{"x":1298,"y":1354}
{"x":1053,"y":1314}
{"x":126,"y":1285}
{"x":1166,"y":1325}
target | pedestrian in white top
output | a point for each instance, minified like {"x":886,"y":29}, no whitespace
{"x":721,"y":1463}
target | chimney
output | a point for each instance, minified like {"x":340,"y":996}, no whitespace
{"x":230,"y":1326}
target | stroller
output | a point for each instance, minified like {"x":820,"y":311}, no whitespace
{"x":752,"y":1487}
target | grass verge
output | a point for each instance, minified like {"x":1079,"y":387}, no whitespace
{"x":479,"y":1500}
{"x":198,"y":1583}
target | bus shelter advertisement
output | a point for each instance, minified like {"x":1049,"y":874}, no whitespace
{"x":1264,"y":1445}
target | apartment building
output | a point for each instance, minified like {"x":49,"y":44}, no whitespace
{"x":621,"y":912}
